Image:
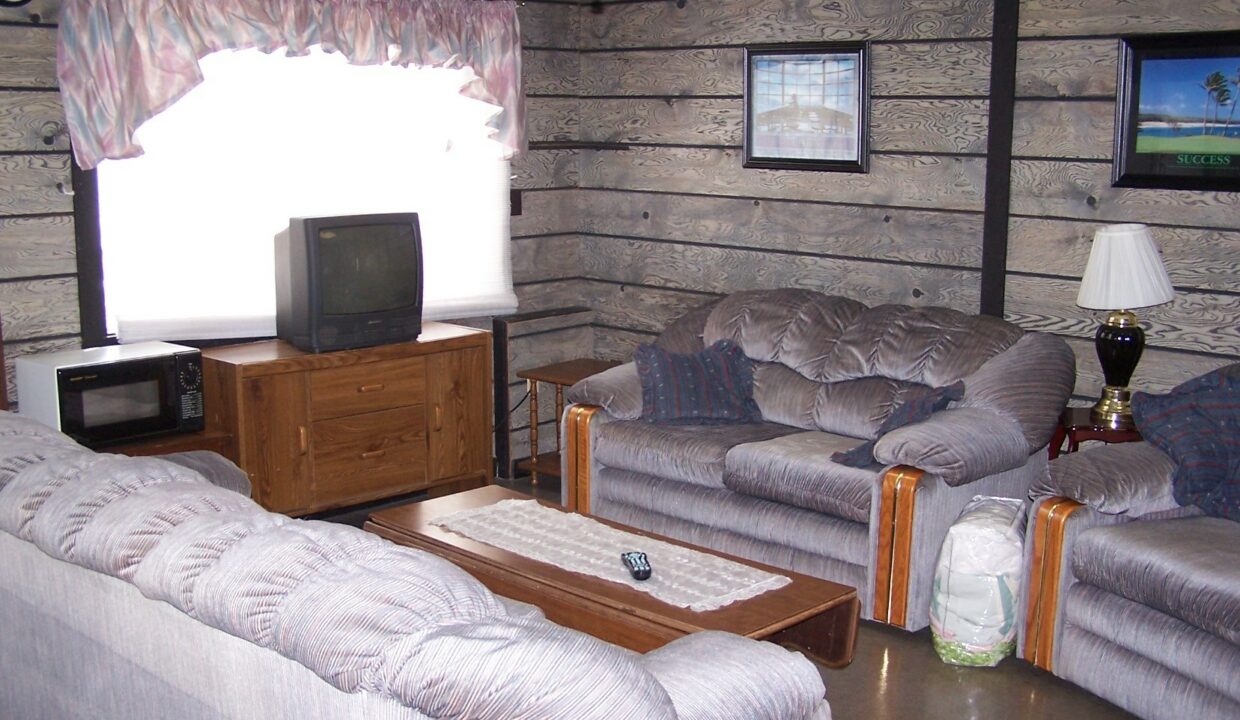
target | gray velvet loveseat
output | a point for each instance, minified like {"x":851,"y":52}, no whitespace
{"x":133,"y":588}
{"x":1128,"y":593}
{"x":829,"y":372}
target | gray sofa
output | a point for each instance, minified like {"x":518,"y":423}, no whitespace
{"x":135,"y":588}
{"x":829,"y":372}
{"x":1127,"y":593}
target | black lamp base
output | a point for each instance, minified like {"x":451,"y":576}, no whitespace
{"x":1119,"y":343}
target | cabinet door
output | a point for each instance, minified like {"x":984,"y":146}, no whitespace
{"x":458,"y":405}
{"x":275,"y":442}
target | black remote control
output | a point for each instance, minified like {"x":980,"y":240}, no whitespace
{"x":638,"y":565}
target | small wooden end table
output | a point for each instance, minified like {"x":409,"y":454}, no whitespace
{"x":1076,"y":427}
{"x":561,"y":375}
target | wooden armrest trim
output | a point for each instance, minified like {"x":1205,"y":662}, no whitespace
{"x":1045,"y":563}
{"x":895,"y":541}
{"x":577,"y":462}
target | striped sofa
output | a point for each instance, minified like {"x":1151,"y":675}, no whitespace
{"x":829,"y":373}
{"x":135,"y":588}
{"x":1129,"y":594}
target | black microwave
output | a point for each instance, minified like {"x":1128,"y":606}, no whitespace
{"x":110,"y":395}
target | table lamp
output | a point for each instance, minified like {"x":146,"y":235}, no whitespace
{"x":1124,"y":272}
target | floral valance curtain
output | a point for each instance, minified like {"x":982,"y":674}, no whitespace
{"x":121,"y":62}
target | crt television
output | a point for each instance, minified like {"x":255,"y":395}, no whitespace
{"x":349,"y":281}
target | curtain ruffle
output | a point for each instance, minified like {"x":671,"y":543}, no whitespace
{"x":121,"y":62}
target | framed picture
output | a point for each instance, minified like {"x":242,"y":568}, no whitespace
{"x":1176,"y":124}
{"x":807,"y":107}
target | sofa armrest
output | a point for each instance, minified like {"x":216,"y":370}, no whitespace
{"x":1029,"y":384}
{"x":958,"y":445}
{"x":716,"y":675}
{"x":1120,"y":479}
{"x":617,"y":390}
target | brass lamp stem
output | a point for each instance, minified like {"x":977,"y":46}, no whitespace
{"x":1119,"y":343}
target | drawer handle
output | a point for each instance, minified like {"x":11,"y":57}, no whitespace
{"x":370,"y":388}
{"x":373,"y":454}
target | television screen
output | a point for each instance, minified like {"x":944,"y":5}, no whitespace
{"x":368,"y":268}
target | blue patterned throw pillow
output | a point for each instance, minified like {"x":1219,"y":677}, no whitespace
{"x":713,"y":386}
{"x":915,"y":410}
{"x":1197,"y":425}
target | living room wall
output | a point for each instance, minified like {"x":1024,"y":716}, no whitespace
{"x":668,"y":218}
{"x":635,"y":206}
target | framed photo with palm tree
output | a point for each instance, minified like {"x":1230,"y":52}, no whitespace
{"x":1176,"y":123}
{"x":807,"y":106}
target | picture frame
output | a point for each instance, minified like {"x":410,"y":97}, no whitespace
{"x":807,"y":106}
{"x":1176,"y":122}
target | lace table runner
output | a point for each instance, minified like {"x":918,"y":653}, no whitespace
{"x":682,"y":577}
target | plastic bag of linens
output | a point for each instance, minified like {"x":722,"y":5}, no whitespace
{"x":976,"y":583}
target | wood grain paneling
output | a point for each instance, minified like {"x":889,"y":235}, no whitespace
{"x":549,"y":25}
{"x":684,"y":121}
{"x":550,"y":72}
{"x":550,"y":295}
{"x":618,"y":344}
{"x":1063,"y":130}
{"x":27,"y":118}
{"x":919,"y":125}
{"x":691,"y":71}
{"x":641,"y":308}
{"x":546,"y":212}
{"x":552,"y":119}
{"x":1195,"y":321}
{"x":896,"y":125}
{"x":36,"y":11}
{"x":943,"y":68}
{"x":28,"y":184}
{"x":535,"y":350}
{"x":545,"y":169}
{"x":914,"y":236}
{"x":1195,"y":258}
{"x":37,"y":246}
{"x":546,"y":258}
{"x":661,"y":24}
{"x":1066,"y":68}
{"x":1159,"y":370}
{"x":916,"y":181}
{"x":27,"y":57}
{"x":1092,"y":17}
{"x":901,"y":70}
{"x":723,"y":270}
{"x":39,"y":308}
{"x":1083,"y":191}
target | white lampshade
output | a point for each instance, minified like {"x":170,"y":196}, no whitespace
{"x":1124,"y":271}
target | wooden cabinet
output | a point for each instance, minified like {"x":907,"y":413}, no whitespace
{"x":316,"y":431}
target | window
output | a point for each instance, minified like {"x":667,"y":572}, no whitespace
{"x":186,"y":230}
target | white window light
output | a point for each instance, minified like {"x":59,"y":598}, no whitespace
{"x":187,"y":229}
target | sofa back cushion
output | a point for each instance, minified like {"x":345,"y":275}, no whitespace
{"x":854,"y":364}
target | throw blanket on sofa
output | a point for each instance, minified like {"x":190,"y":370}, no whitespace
{"x":1197,"y":425}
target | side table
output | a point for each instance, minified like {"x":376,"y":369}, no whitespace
{"x":1076,"y":427}
{"x":560,"y":375}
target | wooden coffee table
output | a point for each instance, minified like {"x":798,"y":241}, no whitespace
{"x":814,"y":616}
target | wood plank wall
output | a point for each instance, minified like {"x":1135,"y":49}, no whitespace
{"x":38,"y":266}
{"x":667,"y":217}
{"x":1061,"y":192}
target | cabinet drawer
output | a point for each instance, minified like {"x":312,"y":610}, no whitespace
{"x":367,"y":456}
{"x":367,"y":387}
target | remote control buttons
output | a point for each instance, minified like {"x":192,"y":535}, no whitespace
{"x":638,"y":565}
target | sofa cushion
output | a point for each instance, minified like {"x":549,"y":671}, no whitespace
{"x":829,"y":338}
{"x":855,"y":408}
{"x":1185,"y":568}
{"x":1132,"y":478}
{"x":686,"y":453}
{"x":714,"y":385}
{"x":798,"y":470}
{"x":913,"y":410}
